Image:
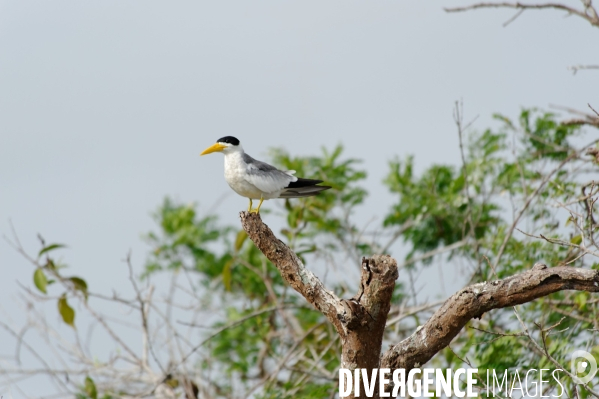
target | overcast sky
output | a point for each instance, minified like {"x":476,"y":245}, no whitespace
{"x":105,"y":105}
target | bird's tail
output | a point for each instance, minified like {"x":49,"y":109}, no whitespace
{"x":303,"y":188}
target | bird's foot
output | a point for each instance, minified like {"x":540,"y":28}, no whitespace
{"x":255,"y":210}
{"x":259,"y":205}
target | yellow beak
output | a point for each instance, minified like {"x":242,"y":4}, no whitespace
{"x":215,"y":148}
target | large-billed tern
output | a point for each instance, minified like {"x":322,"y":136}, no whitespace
{"x":253,"y":179}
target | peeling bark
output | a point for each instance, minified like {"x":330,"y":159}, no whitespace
{"x":366,"y":315}
{"x":360,"y":321}
{"x":292,"y":269}
{"x":477,"y":299}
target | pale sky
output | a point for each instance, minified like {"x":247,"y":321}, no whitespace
{"x":106,"y":105}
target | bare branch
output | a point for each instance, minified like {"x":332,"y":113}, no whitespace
{"x":471,"y":302}
{"x":293,"y":270}
{"x":360,"y":321}
{"x":582,"y":121}
{"x":532,"y":196}
{"x":576,"y":68}
{"x":589,"y":13}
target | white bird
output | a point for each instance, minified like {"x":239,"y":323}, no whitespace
{"x":253,"y":179}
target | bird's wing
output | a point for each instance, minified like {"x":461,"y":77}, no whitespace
{"x":266,"y":177}
{"x":300,"y":192}
{"x":303,"y":188}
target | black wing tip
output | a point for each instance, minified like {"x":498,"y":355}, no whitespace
{"x":301,"y":182}
{"x":301,"y":192}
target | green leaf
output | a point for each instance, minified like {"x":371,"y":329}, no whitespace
{"x":581,"y":299}
{"x":241,"y":236}
{"x":227,"y":274}
{"x":40,"y":280}
{"x":569,"y":220}
{"x":90,"y":388}
{"x":80,"y":285}
{"x":576,"y":240}
{"x":67,"y":312}
{"x":172,"y":382}
{"x":49,"y":248}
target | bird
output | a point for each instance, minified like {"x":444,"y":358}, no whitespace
{"x":258,"y":180}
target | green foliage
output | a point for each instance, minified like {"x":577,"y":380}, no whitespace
{"x":471,"y":207}
{"x":516,"y":200}
{"x":40,"y":280}
{"x":437,"y":208}
{"x":66,"y":311}
{"x":70,"y":283}
{"x":253,"y":331}
{"x":186,"y":237}
{"x":545,"y":137}
{"x":90,"y":391}
{"x":305,"y":391}
{"x":326,"y":215}
{"x":49,"y":248}
{"x":238,"y":347}
{"x":79,"y":284}
{"x":517,"y":174}
{"x":90,"y":388}
{"x":435,"y":204}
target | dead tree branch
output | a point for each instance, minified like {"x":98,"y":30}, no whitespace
{"x":477,"y":299}
{"x":293,"y":270}
{"x":360,"y":321}
{"x":589,"y":13}
{"x":576,"y":68}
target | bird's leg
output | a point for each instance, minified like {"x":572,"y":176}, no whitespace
{"x":257,"y":210}
{"x":250,"y":207}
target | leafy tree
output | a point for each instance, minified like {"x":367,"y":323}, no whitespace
{"x":517,"y":218}
{"x":524,"y":195}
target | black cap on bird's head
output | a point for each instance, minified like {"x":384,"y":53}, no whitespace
{"x":222,"y":144}
{"x":229,"y":140}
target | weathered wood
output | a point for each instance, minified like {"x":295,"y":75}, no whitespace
{"x":360,"y":321}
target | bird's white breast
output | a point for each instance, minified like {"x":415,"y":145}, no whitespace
{"x":236,"y":171}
